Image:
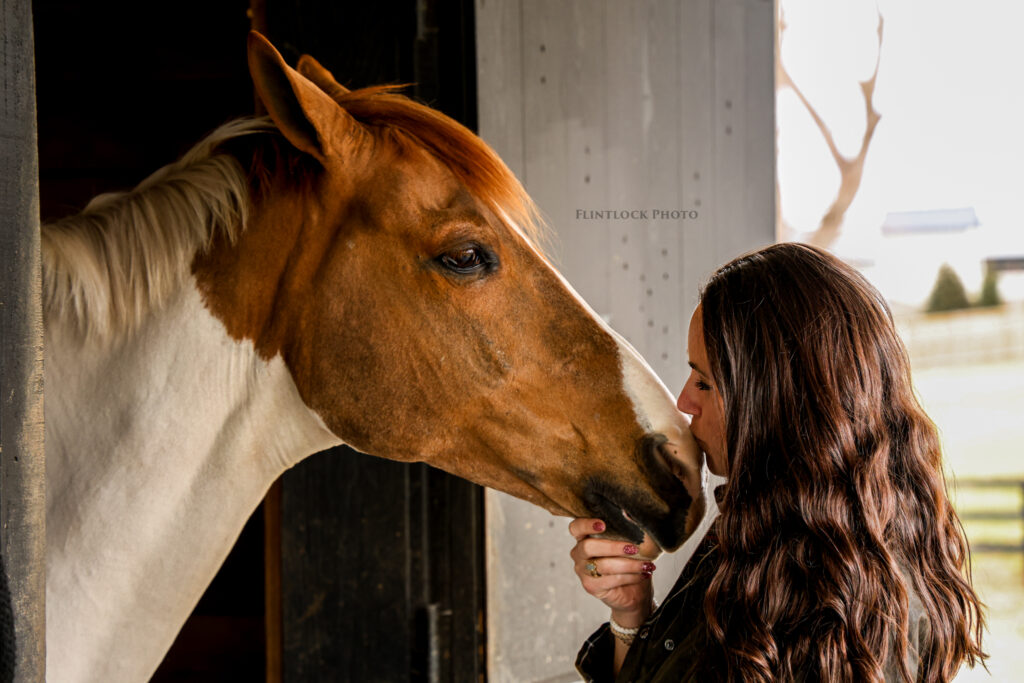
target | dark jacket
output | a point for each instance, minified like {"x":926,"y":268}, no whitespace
{"x":668,"y":646}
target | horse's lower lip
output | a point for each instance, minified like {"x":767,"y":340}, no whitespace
{"x":618,"y":518}
{"x":647,"y":532}
{"x":660,"y":517}
{"x":647,"y":535}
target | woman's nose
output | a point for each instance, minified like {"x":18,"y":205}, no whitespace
{"x":687,"y":405}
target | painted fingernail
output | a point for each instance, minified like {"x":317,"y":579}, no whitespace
{"x":647,"y":567}
{"x":598,"y":526}
{"x":630,"y":550}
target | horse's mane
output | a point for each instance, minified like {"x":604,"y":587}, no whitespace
{"x":124,"y":255}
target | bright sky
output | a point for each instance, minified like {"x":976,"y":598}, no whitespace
{"x":951,"y":94}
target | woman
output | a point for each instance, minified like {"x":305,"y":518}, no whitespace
{"x":837,"y":555}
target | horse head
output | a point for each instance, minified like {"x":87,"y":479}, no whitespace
{"x":392,"y":261}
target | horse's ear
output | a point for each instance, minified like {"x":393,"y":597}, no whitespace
{"x":304,"y":113}
{"x":314,"y":71}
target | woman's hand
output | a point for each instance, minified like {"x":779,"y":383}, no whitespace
{"x":625,"y":572}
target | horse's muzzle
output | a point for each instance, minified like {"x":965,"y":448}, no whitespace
{"x":659,"y":505}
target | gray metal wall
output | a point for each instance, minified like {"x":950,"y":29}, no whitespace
{"x":22,"y":472}
{"x":634,"y":106}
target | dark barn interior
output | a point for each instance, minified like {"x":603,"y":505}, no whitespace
{"x":354,"y":568}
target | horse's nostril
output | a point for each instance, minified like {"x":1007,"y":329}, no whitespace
{"x":662,"y":459}
{"x":670,"y":462}
{"x":670,"y":455}
{"x":655,"y":452}
{"x":667,"y":465}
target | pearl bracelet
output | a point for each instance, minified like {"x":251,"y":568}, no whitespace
{"x":626,"y":635}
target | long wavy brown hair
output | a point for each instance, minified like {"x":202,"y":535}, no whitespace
{"x":836,"y":515}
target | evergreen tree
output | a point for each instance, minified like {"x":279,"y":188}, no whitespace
{"x":990,"y":289}
{"x":948,"y":294}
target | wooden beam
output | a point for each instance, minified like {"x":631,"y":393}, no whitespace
{"x":22,"y":467}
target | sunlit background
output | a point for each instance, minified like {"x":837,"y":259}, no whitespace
{"x":928,"y":206}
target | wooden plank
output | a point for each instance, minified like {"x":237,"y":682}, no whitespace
{"x":743,"y":108}
{"x":697,"y":150}
{"x":993,"y":482}
{"x":273,"y":608}
{"x":345,"y":595}
{"x":628,"y":67}
{"x":758,"y":126}
{"x":567,"y":158}
{"x":588,"y":175}
{"x":992,"y":515}
{"x":500,"y":80}
{"x":545,"y":173}
{"x":728,"y":101}
{"x":997,"y":547}
{"x":456,"y":581}
{"x":659,"y":283}
{"x":22,"y":464}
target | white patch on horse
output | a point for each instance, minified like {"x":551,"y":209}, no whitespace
{"x":158,"y":450}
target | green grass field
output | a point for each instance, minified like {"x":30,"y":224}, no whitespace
{"x":980,"y":411}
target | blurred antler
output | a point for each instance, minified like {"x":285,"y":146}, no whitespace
{"x":851,"y":169}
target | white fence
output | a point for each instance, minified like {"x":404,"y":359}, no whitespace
{"x":981,"y":335}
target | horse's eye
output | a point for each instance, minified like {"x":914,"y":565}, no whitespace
{"x":465,"y":260}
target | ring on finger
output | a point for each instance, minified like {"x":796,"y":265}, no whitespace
{"x":592,"y":570}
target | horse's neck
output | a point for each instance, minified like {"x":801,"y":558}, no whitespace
{"x":157,"y":453}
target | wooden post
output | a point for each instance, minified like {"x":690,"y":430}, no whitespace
{"x":22,"y":470}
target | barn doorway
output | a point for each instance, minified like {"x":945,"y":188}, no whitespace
{"x":355,"y":568}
